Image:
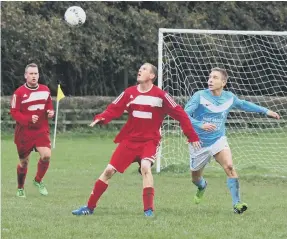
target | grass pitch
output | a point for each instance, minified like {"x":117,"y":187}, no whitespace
{"x":78,"y":160}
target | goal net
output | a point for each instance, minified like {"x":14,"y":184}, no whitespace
{"x":256,"y":63}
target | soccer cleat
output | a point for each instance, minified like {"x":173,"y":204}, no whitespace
{"x":148,"y":213}
{"x":42,"y":189}
{"x":83,"y":211}
{"x":240,"y":207}
{"x":199,"y":194}
{"x":20,"y":193}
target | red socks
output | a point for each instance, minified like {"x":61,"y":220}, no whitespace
{"x":99,"y":188}
{"x":42,"y":169}
{"x":148,"y":195}
{"x":21,"y":175}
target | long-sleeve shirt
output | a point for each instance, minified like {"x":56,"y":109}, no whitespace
{"x":204,"y":107}
{"x":146,"y":112}
{"x":28,"y":101}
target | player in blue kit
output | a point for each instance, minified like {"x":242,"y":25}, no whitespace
{"x":208,"y":110}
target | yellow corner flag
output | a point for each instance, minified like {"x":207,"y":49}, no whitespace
{"x":60,"y":94}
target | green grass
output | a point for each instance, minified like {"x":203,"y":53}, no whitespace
{"x":78,"y":160}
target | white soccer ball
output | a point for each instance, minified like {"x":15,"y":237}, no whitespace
{"x":75,"y":16}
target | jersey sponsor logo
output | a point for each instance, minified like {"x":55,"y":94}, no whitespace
{"x":36,"y":107}
{"x":25,"y":95}
{"x":216,"y":108}
{"x":39,"y":95}
{"x":152,"y":101}
{"x":142,"y":114}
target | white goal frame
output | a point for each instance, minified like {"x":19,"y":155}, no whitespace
{"x":161,"y":33}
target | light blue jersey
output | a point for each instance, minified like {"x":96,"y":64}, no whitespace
{"x":203,"y":107}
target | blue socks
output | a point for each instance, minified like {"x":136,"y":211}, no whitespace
{"x":201,"y":184}
{"x":233,"y":185}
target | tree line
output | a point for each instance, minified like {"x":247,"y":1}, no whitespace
{"x":102,"y":56}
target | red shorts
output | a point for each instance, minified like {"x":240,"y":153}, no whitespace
{"x":27,"y":142}
{"x":129,"y":152}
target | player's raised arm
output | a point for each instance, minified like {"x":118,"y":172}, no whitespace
{"x":251,"y":107}
{"x":16,"y":113}
{"x":113,"y":111}
{"x":177,"y":112}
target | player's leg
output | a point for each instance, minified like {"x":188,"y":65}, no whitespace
{"x":148,"y":187}
{"x":43,"y":147}
{"x":120,"y":161}
{"x":200,"y":183}
{"x":198,"y":160}
{"x":42,"y":167}
{"x":24,"y":149}
{"x":224,"y":158}
{"x":100,"y":187}
{"x":148,"y":156}
{"x":22,"y":169}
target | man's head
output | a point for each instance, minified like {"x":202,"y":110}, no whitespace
{"x":147,"y":72}
{"x":31,"y":75}
{"x":217,"y":79}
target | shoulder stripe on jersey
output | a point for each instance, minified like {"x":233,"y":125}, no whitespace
{"x":13,"y":103}
{"x":170,"y":100}
{"x":119,"y":98}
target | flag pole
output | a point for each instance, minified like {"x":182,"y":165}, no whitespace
{"x":60,"y":95}
{"x":55,"y":127}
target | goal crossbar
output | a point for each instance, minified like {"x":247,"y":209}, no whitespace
{"x":220,"y":32}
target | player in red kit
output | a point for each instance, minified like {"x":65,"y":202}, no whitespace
{"x":31,"y":106}
{"x":139,"y":138}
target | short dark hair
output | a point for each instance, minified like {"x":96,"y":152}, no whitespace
{"x":222,"y":71}
{"x":31,"y":65}
{"x":153,"y":70}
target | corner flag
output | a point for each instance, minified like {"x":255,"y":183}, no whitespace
{"x":60,"y":95}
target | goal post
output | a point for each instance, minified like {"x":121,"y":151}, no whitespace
{"x":256,"y":62}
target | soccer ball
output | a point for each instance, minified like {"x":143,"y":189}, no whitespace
{"x":75,"y":16}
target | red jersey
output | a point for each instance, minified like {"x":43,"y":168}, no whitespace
{"x":146,"y":112}
{"x":28,"y":101}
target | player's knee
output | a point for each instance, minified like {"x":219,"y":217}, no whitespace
{"x":46,"y":157}
{"x":229,"y":167}
{"x":196,"y":179}
{"x":24,"y":162}
{"x":195,"y":176}
{"x":109,"y":172}
{"x":145,"y":167}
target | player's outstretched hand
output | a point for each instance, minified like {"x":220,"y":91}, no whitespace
{"x":208,"y":127}
{"x":35,"y":118}
{"x":96,"y":121}
{"x":273,"y":114}
{"x":50,"y":113}
{"x":196,"y":145}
